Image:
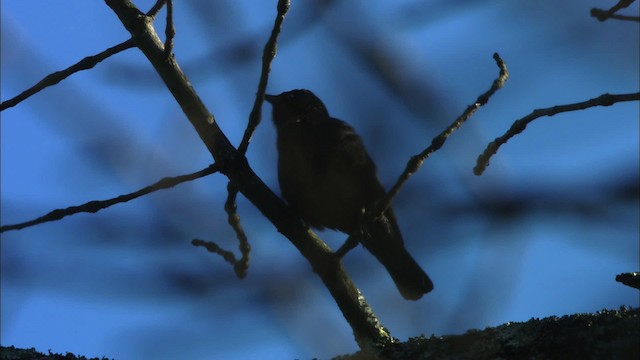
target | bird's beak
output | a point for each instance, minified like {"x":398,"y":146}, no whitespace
{"x":270,"y":98}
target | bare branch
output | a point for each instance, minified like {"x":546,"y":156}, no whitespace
{"x":368,"y":331}
{"x":268,"y":54}
{"x":631,"y":279}
{"x":54,"y":78}
{"x":416,"y":161}
{"x":519,"y":125}
{"x":241,"y":266}
{"x":230,"y":207}
{"x":170,"y":30}
{"x":156,"y":8}
{"x":97,"y":205}
{"x":603,"y":15}
{"x":214,"y":248}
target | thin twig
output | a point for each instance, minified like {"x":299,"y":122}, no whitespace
{"x":519,"y":125}
{"x":156,"y":8}
{"x":268,"y":54}
{"x":169,"y":31}
{"x":603,"y":15}
{"x":54,"y":78}
{"x":230,"y":207}
{"x":240,"y":267}
{"x":97,"y":205}
{"x":214,"y":248}
{"x":416,"y":161}
{"x":596,"y":13}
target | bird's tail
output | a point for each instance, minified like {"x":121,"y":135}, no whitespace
{"x":384,"y":241}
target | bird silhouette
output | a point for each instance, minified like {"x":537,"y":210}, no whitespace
{"x":329,"y":179}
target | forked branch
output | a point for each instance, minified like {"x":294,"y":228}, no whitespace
{"x":368,"y":331}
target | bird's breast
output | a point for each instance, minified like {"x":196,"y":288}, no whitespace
{"x":319,"y":186}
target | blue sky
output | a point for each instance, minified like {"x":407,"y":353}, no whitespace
{"x":543,"y":232}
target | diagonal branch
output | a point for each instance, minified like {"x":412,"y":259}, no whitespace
{"x":416,"y":161}
{"x":603,"y":15}
{"x":368,"y":331}
{"x":155,"y":9}
{"x":520,"y":124}
{"x":230,"y":206}
{"x":268,"y":54}
{"x":97,"y":205}
{"x":54,"y":78}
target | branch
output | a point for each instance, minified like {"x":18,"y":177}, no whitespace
{"x":97,"y":205}
{"x":416,"y":161}
{"x":603,"y":15}
{"x":169,"y":31}
{"x":521,"y":124}
{"x":238,"y":265}
{"x":241,"y":266}
{"x":605,"y":334}
{"x":155,"y":9}
{"x":268,"y":54}
{"x":230,"y":206}
{"x":54,"y":78}
{"x":368,"y":331}
{"x":631,"y":279}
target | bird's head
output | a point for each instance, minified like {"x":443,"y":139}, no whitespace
{"x":297,"y":106}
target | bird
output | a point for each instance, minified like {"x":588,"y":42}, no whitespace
{"x":327,"y":177}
